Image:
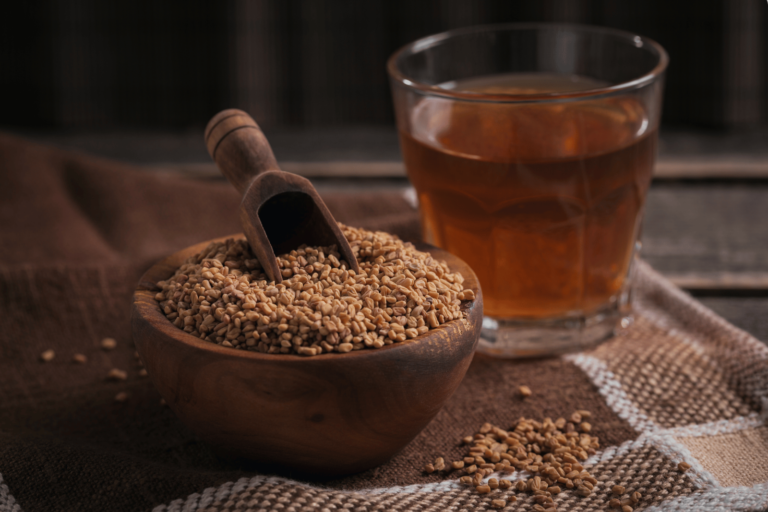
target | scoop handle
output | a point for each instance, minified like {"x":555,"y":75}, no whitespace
{"x":239,"y":147}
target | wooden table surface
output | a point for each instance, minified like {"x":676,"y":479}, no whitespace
{"x":705,"y":223}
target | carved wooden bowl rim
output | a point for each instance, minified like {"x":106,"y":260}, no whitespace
{"x":144,"y":296}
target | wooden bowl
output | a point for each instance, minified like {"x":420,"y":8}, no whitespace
{"x":331,"y":414}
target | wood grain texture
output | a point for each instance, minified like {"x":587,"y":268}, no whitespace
{"x":279,"y":211}
{"x":331,"y":414}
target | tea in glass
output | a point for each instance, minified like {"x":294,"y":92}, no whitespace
{"x":535,"y":177}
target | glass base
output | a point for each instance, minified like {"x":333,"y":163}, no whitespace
{"x":536,"y":338}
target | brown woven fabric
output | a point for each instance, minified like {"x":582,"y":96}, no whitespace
{"x":77,"y":232}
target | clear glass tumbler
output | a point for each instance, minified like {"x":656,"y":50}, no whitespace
{"x":531,"y":148}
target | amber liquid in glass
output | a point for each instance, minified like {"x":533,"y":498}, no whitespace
{"x":543,"y":201}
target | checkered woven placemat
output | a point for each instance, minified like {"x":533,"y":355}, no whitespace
{"x":76,"y":232}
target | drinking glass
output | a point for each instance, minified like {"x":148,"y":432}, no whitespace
{"x":531,"y":149}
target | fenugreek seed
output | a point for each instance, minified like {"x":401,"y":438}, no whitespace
{"x":429,"y":468}
{"x":235,"y":305}
{"x":505,"y":484}
{"x":108,"y":344}
{"x":483,"y":489}
{"x":525,"y":391}
{"x":115,"y":374}
{"x":471,"y":469}
{"x":539,"y":508}
{"x":618,"y":489}
{"x":683,"y":467}
{"x":121,"y":397}
{"x":493,"y":483}
{"x":439,"y":464}
{"x":468,"y":440}
{"x":521,"y":485}
{"x":466,"y":480}
{"x":554,"y":489}
{"x":498,"y":503}
{"x":143,"y":372}
{"x":466,"y":295}
{"x":457,"y":464}
{"x":614,"y":503}
{"x":585,"y":427}
{"x":635,"y":497}
{"x":626,"y":508}
{"x":47,"y":356}
{"x":511,"y":499}
{"x":583,"y":491}
{"x":79,"y":359}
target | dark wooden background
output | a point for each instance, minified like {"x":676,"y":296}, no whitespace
{"x":137,"y":64}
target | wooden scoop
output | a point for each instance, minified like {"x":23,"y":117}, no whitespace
{"x":279,"y":211}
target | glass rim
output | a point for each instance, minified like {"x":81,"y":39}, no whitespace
{"x":430,"y":41}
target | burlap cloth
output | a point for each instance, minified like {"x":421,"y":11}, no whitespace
{"x":76,"y":232}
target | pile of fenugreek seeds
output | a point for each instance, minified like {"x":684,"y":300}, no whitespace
{"x":222,"y":295}
{"x":549,"y":451}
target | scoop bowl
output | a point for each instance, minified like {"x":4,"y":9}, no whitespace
{"x":329,"y":415}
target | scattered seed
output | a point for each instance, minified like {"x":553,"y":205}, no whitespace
{"x":585,"y":427}
{"x":483,"y":489}
{"x":683,"y":467}
{"x":626,"y":508}
{"x":618,"y":489}
{"x":47,"y":356}
{"x":121,"y":397}
{"x":108,"y":344}
{"x":614,"y":503}
{"x":636,"y":497}
{"x":429,"y":468}
{"x":511,"y":499}
{"x":498,"y":503}
{"x":525,"y":391}
{"x":79,"y":359}
{"x":221,"y":295}
{"x":115,"y":374}
{"x":493,"y":483}
{"x":505,"y":484}
{"x":439,"y":464}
